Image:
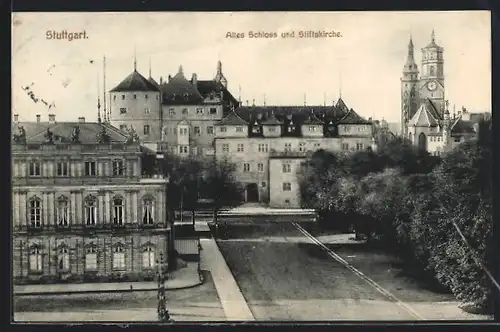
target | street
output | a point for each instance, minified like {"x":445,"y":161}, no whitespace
{"x":285,"y":276}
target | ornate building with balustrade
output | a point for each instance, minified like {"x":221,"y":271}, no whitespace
{"x":82,"y":209}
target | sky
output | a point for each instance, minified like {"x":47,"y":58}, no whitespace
{"x":364,"y":64}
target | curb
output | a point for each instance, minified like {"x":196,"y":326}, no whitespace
{"x":107,"y":291}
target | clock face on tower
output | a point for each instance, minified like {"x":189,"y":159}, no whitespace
{"x":432,"y":86}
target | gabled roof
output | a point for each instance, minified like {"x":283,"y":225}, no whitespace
{"x":63,"y":131}
{"x":462,"y":127}
{"x":353,"y":118}
{"x":135,"y":82}
{"x":232,"y":119}
{"x":180,"y":91}
{"x":423,"y":117}
{"x":152,"y":81}
{"x":205,"y":87}
{"x":313,"y":120}
{"x":341,"y":105}
{"x":272,"y":121}
{"x":433,"y":109}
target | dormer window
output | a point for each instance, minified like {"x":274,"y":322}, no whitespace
{"x":272,"y":129}
{"x":223,"y":129}
{"x":184,"y":111}
{"x":186,"y":96}
{"x":312,"y":128}
{"x":239,"y":129}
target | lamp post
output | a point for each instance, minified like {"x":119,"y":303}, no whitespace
{"x":163,"y":315}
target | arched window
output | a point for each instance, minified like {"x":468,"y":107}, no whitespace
{"x":148,"y":211}
{"x":90,"y":210}
{"x":63,"y":258}
{"x":119,"y":257}
{"x":432,"y":73}
{"x":62,"y":212}
{"x":148,"y":256}
{"x":35,"y":259}
{"x":117,"y":211}
{"x":35,"y":212}
{"x":91,"y":257}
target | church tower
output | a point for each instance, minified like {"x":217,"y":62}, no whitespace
{"x":432,"y":76}
{"x":409,"y":88}
{"x":219,"y":77}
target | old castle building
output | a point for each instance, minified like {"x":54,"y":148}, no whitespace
{"x":177,"y":115}
{"x":82,"y":210}
{"x":268,"y":144}
{"x":425,"y":117}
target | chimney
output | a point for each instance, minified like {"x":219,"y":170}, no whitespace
{"x":194,"y":79}
{"x":169,"y":77}
{"x":52,"y":118}
{"x":16,"y":118}
{"x":81,"y":119}
{"x":38,"y":118}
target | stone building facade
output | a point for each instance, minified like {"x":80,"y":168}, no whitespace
{"x":267,"y":144}
{"x":82,"y":210}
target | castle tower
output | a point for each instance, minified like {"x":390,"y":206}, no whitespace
{"x":432,"y":76}
{"x":409,"y":88}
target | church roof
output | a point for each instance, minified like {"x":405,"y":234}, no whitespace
{"x":232,"y":119}
{"x":179,"y":91}
{"x":135,"y":82}
{"x":63,"y":132}
{"x":423,"y":117}
{"x":433,"y":109}
{"x":353,"y":118}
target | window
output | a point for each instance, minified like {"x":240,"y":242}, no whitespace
{"x":145,"y":96}
{"x":272,"y":129}
{"x":183,"y":131}
{"x":239,"y":129}
{"x":225,"y":147}
{"x":123,"y":127}
{"x":90,"y":211}
{"x":118,"y":168}
{"x":302,"y":147}
{"x":210,"y":130}
{"x":146,"y":110}
{"x":199,"y":111}
{"x":263,"y":147}
{"x":359,"y":146}
{"x":146,"y":129}
{"x":246,"y":167}
{"x":223,"y":129}
{"x":62,"y":212}
{"x":255,"y":129}
{"x":263,"y":184}
{"x":287,"y":168}
{"x":317,"y":145}
{"x":63,"y":259}
{"x":90,"y":168}
{"x":34,"y":168}
{"x":135,"y":96}
{"x":157,"y":97}
{"x":35,"y":212}
{"x":457,"y":139}
{"x":312,"y":128}
{"x":184,"y":111}
{"x":287,"y":186}
{"x":118,"y":211}
{"x":148,"y":212}
{"x":91,"y":258}
{"x":345,"y":146}
{"x":171,"y":111}
{"x":35,"y":260}
{"x":288,"y":147}
{"x":114,"y":97}
{"x":213,"y":110}
{"x":291,"y":128}
{"x":197,"y":131}
{"x":240,"y":148}
{"x":432,"y":71}
{"x":119,"y":258}
{"x":148,"y":257}
{"x":123,"y":110}
{"x":123,"y":97}
{"x":183,"y":149}
{"x":62,"y":168}
{"x":260,"y":167}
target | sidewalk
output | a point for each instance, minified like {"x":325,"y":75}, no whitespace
{"x":186,"y":277}
{"x":234,"y":304}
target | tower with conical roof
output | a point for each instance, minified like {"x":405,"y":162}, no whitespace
{"x":432,"y":76}
{"x":409,"y":88}
{"x":135,"y":103}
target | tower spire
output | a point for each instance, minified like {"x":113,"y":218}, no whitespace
{"x":239,"y":91}
{"x":104,"y":87}
{"x":433,"y":36}
{"x":149,"y":67}
{"x":98,"y":101}
{"x":135,"y":58}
